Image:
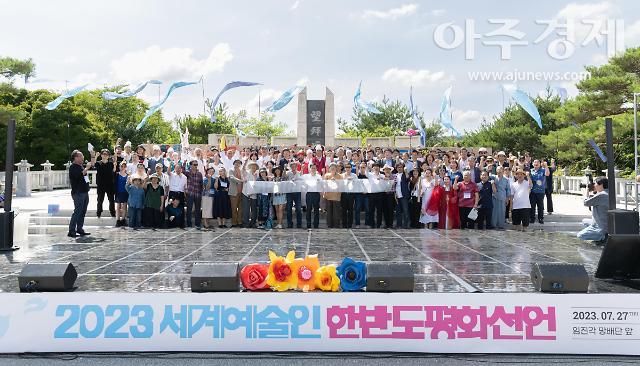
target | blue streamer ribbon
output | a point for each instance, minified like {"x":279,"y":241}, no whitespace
{"x":523,"y":100}
{"x":284,"y":99}
{"x":231,"y":85}
{"x":367,"y":106}
{"x":154,"y":108}
{"x":129,"y":93}
{"x":445,"y":111}
{"x":56,"y":102}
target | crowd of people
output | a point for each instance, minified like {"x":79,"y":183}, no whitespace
{"x":429,"y":188}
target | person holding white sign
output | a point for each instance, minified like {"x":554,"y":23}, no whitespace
{"x":467,"y":199}
{"x":313,"y":198}
{"x":222,"y":203}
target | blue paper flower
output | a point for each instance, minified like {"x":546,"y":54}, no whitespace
{"x":352,"y":274}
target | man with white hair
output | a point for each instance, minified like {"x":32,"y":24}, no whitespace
{"x":156,"y":158}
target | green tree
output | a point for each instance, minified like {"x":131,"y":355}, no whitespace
{"x":263,"y":126}
{"x":394,"y":120}
{"x":12,"y":67}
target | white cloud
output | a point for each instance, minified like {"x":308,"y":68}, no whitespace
{"x":579,"y":11}
{"x":589,"y":12}
{"x":409,"y":77}
{"x":438,"y":12}
{"x":467,"y":119}
{"x":169,"y":64}
{"x":70,"y":60}
{"x":395,"y":13}
{"x":632,"y":34}
{"x":295,"y":5}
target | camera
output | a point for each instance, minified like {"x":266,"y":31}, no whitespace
{"x":589,"y":186}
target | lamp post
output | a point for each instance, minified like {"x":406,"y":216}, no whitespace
{"x":635,"y":132}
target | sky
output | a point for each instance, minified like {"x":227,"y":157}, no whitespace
{"x":390,"y":46}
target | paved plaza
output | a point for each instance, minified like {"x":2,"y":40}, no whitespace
{"x":115,"y":259}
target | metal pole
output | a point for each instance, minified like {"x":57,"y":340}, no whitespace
{"x":6,"y":217}
{"x":611,"y":174}
{"x":635,"y":133}
{"x":8,"y":170}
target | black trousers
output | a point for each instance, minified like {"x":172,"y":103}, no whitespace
{"x":110,"y":193}
{"x":347,"y":201}
{"x":548,"y":193}
{"x":465,"y":221}
{"x":414,"y":212}
{"x":388,"y":208}
{"x":313,"y":204}
{"x":376,"y":203}
{"x":153,"y":217}
{"x":536,"y":200}
{"x":484,"y":218}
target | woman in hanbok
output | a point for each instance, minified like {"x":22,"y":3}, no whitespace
{"x":427,"y":184}
{"x":449,"y":217}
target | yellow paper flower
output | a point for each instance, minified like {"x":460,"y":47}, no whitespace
{"x":326,"y":278}
{"x":281,"y":276}
{"x":305,"y":269}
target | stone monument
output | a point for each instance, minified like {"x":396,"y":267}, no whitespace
{"x":316,"y":120}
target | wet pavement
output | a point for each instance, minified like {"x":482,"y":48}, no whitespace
{"x":116,"y":259}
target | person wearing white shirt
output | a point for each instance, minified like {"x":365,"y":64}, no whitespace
{"x":520,"y":204}
{"x":228,"y":158}
{"x":249,"y":202}
{"x":177,"y":184}
{"x":347,"y":199}
{"x":294,"y":198}
{"x":376,"y":199}
{"x":313,"y":198}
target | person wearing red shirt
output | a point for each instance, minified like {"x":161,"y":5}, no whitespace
{"x":467,"y":199}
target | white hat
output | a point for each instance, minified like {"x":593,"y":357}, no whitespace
{"x":318,"y":147}
{"x":501,"y":153}
{"x":387,"y":166}
{"x":128,"y":143}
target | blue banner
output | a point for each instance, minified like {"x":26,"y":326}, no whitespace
{"x":445,"y":111}
{"x":56,"y":102}
{"x":367,"y":106}
{"x":523,"y":100}
{"x":284,"y":99}
{"x":129,"y":93}
{"x":154,"y":108}
{"x":231,"y":85}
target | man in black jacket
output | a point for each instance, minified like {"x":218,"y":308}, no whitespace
{"x":79,"y":192}
{"x":105,"y":181}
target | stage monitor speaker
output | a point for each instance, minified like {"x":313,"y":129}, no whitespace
{"x":36,"y":277}
{"x":559,"y":277}
{"x":389,"y":277}
{"x":623,"y":222}
{"x":620,"y":258}
{"x":215,"y":277}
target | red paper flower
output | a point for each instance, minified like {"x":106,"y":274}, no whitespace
{"x":254,"y":276}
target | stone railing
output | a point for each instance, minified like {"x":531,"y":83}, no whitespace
{"x":626,"y":189}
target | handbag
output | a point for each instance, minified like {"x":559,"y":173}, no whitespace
{"x":473,"y":214}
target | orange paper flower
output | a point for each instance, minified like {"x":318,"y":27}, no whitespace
{"x":305,"y":269}
{"x":326,"y":278}
{"x":281,"y":276}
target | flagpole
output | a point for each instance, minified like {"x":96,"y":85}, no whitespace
{"x":204,"y":103}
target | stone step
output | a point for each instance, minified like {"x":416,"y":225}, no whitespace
{"x":64,"y":220}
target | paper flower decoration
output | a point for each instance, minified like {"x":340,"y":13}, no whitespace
{"x":254,"y":276}
{"x":352,"y":274}
{"x":305,"y":269}
{"x":281,"y":276}
{"x":326,"y":278}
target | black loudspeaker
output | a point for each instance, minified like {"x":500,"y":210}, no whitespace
{"x":559,"y":277}
{"x":623,"y":222}
{"x":47,"y":277}
{"x":389,"y":277}
{"x":620,"y":257}
{"x":215,"y":277}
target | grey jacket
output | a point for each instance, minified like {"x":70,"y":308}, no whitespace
{"x":599,"y":204}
